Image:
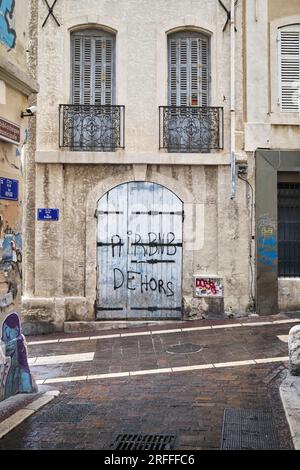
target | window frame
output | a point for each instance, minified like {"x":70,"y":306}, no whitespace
{"x":187,"y":33}
{"x":94,"y":32}
{"x":276,"y":116}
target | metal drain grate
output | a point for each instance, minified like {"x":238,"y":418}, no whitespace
{"x":249,"y":430}
{"x":144,"y":442}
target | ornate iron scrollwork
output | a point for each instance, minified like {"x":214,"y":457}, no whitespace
{"x":191,"y":129}
{"x":91,"y":127}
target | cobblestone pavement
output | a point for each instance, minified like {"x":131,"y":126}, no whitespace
{"x":187,"y":402}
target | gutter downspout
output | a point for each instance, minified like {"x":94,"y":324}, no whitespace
{"x":232,"y":100}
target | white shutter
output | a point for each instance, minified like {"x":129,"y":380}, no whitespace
{"x":289,"y":70}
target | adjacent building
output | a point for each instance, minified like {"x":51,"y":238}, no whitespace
{"x":272,"y":143}
{"x":16,"y":85}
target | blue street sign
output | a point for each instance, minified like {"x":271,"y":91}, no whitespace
{"x":9,"y":189}
{"x":48,"y":214}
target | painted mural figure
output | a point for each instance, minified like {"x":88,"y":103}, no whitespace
{"x":7,"y":33}
{"x":18,"y":377}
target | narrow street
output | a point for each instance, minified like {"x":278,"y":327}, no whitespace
{"x":175,"y":380}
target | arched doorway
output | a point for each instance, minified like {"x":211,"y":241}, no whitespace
{"x":139,"y":253}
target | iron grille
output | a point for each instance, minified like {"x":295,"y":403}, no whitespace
{"x":289,"y":229}
{"x":92,"y":127}
{"x":191,"y":129}
{"x":249,"y":430}
{"x":143,"y":442}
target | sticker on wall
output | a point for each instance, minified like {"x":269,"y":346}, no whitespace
{"x":210,"y":286}
{"x":8,"y":34}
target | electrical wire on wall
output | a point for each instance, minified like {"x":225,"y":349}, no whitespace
{"x":240,"y":173}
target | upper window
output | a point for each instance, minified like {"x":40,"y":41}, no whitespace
{"x":93,"y":67}
{"x":188,"y":69}
{"x":289,"y":63}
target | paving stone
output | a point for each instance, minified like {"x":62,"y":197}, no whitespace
{"x":191,"y":403}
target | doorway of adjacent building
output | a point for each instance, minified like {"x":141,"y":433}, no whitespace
{"x":139,"y":253}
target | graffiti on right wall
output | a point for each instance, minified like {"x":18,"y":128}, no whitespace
{"x":267,"y":242}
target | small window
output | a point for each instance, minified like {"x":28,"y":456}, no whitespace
{"x":188,"y":69}
{"x":93,"y":68}
{"x":289,"y":229}
{"x":289,"y":63}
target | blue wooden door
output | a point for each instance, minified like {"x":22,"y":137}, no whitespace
{"x":139,"y":253}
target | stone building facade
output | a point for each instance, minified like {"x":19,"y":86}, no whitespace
{"x":16,"y":85}
{"x":130,"y":215}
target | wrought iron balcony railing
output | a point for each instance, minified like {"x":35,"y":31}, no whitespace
{"x":190,"y":129}
{"x":91,"y":127}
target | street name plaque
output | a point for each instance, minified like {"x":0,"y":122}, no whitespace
{"x":9,"y":189}
{"x":48,"y":214}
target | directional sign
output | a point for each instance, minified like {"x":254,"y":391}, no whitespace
{"x":48,"y":214}
{"x":9,"y":189}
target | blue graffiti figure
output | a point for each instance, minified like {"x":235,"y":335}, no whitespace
{"x":267,"y":251}
{"x":7,"y":33}
{"x":19,"y":378}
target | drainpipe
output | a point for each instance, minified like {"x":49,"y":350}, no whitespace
{"x":232,"y":100}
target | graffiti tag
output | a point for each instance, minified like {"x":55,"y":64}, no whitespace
{"x":208,"y":287}
{"x":7,"y":33}
{"x":135,"y":280}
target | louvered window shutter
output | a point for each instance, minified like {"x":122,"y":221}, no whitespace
{"x":204,"y":74}
{"x":188,"y":71}
{"x":173,"y":72}
{"x":77,"y":67}
{"x":92,"y":70}
{"x":289,"y":70}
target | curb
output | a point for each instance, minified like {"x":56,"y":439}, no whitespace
{"x":290,"y":397}
{"x":19,"y":416}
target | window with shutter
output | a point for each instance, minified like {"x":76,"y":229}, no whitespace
{"x":93,"y":68}
{"x":188,"y":69}
{"x":289,"y":62}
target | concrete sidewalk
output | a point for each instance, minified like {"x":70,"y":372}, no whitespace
{"x":290,"y":396}
{"x":16,"y":409}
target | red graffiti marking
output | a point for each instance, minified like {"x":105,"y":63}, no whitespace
{"x":205,"y":284}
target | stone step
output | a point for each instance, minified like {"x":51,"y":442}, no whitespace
{"x":81,"y":326}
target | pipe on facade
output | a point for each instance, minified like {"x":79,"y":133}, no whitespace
{"x":232,"y":100}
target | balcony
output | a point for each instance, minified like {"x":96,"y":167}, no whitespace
{"x":184,"y":129}
{"x":91,"y":127}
